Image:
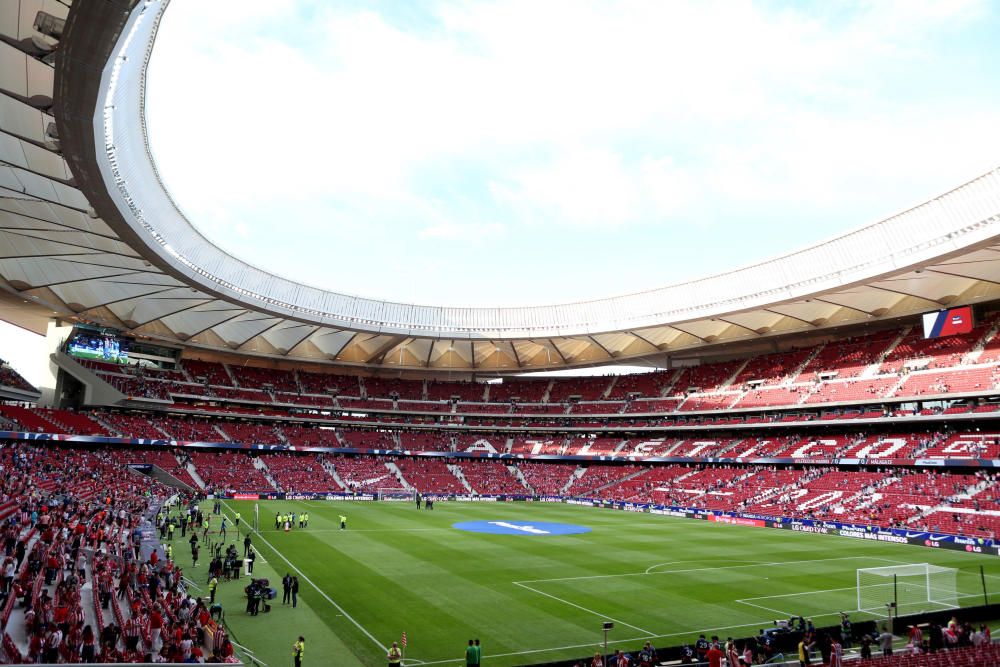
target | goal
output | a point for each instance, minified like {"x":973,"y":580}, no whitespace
{"x":919,"y":586}
{"x":398,"y":494}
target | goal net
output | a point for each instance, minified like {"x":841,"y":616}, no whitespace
{"x":397,"y":493}
{"x":913,"y":588}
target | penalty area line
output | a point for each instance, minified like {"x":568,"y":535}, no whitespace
{"x":589,"y":611}
{"x":319,"y":590}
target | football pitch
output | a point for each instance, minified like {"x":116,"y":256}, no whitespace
{"x":534,"y":596}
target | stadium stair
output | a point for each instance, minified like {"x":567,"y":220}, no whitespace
{"x":258,"y":462}
{"x":977,"y":349}
{"x":457,"y":472}
{"x":872,"y":369}
{"x":577,"y":474}
{"x":597,"y":490}
{"x":398,"y":474}
{"x":516,"y":472}
{"x":329,"y":468}
{"x":194,"y":474}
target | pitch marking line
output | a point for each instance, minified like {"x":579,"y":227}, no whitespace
{"x":319,"y":590}
{"x":706,"y":569}
{"x":649,"y":570}
{"x":589,"y":611}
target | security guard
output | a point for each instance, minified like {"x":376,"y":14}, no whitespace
{"x":395,"y":656}
{"x":213,"y":583}
{"x":298,"y":649}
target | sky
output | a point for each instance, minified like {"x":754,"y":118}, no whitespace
{"x":522,"y":153}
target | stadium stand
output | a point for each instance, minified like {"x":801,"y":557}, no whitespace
{"x":430,"y":476}
{"x":11,"y":378}
{"x":229,"y":471}
{"x":297,"y":473}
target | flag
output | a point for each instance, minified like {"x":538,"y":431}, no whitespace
{"x":403,"y":640}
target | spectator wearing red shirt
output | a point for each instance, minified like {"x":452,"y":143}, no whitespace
{"x":714,"y":654}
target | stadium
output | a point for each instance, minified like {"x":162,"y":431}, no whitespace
{"x":808,"y":462}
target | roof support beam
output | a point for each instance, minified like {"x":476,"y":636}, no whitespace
{"x":909,"y":294}
{"x":791,"y":317}
{"x":840,"y":305}
{"x":737,"y":324}
{"x":385,"y":348}
{"x":228,"y":319}
{"x":693,"y":335}
{"x":959,"y":275}
{"x":644,"y":340}
{"x":606,"y":350}
{"x":173,"y":312}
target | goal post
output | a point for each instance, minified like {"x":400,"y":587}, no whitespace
{"x":397,"y":494}
{"x":914,"y":587}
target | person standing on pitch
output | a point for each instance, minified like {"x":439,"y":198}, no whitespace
{"x":298,"y":649}
{"x":470,"y":655}
{"x":343,"y":522}
{"x":394,"y":656}
{"x":295,"y":592}
{"x":286,"y":587}
{"x":246,"y":545}
{"x":479,"y":652}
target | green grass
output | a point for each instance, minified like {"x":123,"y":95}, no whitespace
{"x":540,"y":598}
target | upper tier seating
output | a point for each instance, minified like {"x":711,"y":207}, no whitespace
{"x":268,"y":378}
{"x":772,"y":368}
{"x":411,"y":390}
{"x":207,"y":372}
{"x":706,"y":378}
{"x":464,"y":391}
{"x":11,"y":378}
{"x":586,"y":388}
{"x":645,"y":385}
{"x":524,"y":391}
{"x":849,"y":357}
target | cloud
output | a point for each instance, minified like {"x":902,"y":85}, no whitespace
{"x":290,"y":134}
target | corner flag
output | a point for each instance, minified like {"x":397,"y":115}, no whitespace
{"x":403,"y":640}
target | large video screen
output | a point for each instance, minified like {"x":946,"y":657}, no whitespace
{"x":100,"y":346}
{"x":949,"y":322}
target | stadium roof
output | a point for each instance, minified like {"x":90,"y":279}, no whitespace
{"x":89,"y":231}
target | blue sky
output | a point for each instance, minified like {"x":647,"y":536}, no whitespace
{"x":517,"y":152}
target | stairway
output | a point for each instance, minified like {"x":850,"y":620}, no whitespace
{"x":332,"y":471}
{"x":577,"y":474}
{"x":394,"y":469}
{"x":258,"y":463}
{"x":457,"y":472}
{"x":516,"y":472}
{"x":790,"y":380}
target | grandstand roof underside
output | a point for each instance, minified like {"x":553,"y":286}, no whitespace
{"x":88,"y":231}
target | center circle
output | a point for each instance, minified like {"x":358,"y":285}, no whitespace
{"x":537,"y":528}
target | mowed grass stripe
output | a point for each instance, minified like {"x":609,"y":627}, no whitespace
{"x":397,"y":568}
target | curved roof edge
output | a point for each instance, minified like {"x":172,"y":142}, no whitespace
{"x":960,"y":219}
